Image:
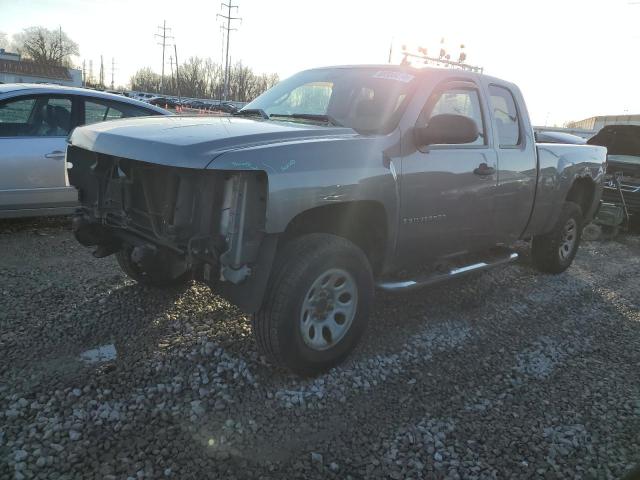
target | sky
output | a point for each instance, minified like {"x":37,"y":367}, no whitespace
{"x":572,"y":59}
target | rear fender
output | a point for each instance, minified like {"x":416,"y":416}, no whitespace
{"x":559,"y":168}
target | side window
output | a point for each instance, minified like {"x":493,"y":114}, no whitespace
{"x":14,"y":117}
{"x":57,"y":118}
{"x":94,"y":112}
{"x":457,"y":101}
{"x":506,"y":117}
{"x":39,"y":116}
{"x":99,"y":111}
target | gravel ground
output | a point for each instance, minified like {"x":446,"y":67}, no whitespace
{"x":506,"y":374}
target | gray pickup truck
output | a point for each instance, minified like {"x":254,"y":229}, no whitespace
{"x":332,"y":183}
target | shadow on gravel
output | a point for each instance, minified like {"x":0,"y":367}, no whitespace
{"x":131,"y":317}
{"x":13,"y":225}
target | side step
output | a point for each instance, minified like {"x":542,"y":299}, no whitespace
{"x":436,"y":277}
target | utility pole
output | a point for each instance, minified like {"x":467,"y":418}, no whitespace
{"x":90,"y":81}
{"x":222,"y":43}
{"x":84,"y":73}
{"x":101,"y":72}
{"x":171,"y":66}
{"x":175,"y":52}
{"x":113,"y":69}
{"x":164,"y":37}
{"x":228,"y":29}
{"x":60,"y":44}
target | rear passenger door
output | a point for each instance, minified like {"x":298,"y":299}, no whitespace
{"x":517,"y":161}
{"x":447,"y":191}
{"x":33,"y":140}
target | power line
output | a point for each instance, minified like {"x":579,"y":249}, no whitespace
{"x":228,"y":29}
{"x":164,"y":37}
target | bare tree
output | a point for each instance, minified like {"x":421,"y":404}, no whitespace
{"x":4,"y":40}
{"x":204,"y":78}
{"x":193,"y":78}
{"x":49,"y":47}
{"x":145,"y":80}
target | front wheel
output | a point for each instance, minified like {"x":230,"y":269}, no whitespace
{"x":317,"y":303}
{"x":554,"y":252}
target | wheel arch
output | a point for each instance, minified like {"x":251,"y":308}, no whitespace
{"x":363,"y":222}
{"x":583,"y":192}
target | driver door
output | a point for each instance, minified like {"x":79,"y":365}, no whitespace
{"x":447,"y":191}
{"x":33,"y":141}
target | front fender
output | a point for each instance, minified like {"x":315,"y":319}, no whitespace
{"x":305,"y":175}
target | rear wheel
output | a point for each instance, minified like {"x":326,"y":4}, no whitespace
{"x":161,"y":276}
{"x":317,"y":303}
{"x":554,"y":252}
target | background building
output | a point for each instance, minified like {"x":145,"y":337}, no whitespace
{"x":596,"y":123}
{"x":15,"y":70}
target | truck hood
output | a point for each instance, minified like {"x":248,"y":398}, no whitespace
{"x":619,"y":140}
{"x":192,"y":142}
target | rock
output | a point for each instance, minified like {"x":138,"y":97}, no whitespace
{"x":334,"y":467}
{"x":197,"y":408}
{"x":437,"y":457}
{"x":74,"y":435}
{"x":209,"y":348}
{"x":20,"y":455}
{"x":316,"y":458}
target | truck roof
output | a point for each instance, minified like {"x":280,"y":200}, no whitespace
{"x":418,"y":71}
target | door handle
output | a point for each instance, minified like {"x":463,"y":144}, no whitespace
{"x":484,"y":169}
{"x":57,"y":154}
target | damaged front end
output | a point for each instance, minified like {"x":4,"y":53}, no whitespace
{"x":175,"y":220}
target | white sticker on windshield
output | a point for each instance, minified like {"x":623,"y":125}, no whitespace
{"x":392,"y":75}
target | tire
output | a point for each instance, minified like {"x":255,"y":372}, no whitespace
{"x":305,"y":324}
{"x":160,"y":278}
{"x":554,"y":252}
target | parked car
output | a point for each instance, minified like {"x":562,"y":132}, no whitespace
{"x":35,"y":121}
{"x":225,"y":107}
{"x":333,"y":182}
{"x":165,"y":102}
{"x":195,"y":104}
{"x":622,"y":181}
{"x":141,"y":96}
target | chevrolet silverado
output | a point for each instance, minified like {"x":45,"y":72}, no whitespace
{"x":332,"y":183}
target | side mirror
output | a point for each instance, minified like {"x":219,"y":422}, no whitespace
{"x":447,"y":129}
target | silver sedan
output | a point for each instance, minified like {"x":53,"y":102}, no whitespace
{"x":35,"y":121}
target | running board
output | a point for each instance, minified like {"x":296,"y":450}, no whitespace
{"x":436,"y":277}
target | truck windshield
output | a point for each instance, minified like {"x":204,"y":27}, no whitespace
{"x":369,"y":100}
